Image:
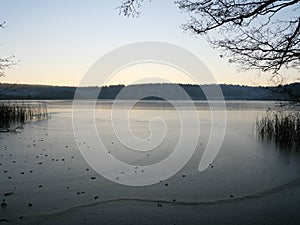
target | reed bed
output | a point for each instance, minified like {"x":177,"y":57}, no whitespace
{"x":14,"y":114}
{"x":282,"y":127}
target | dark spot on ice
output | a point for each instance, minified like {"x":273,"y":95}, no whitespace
{"x":3,"y":204}
{"x":30,"y":204}
{"x":159,"y":205}
{"x":93,"y":178}
{"x":96,"y":197}
{"x":8,"y":193}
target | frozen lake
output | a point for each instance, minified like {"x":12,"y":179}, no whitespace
{"x":44,"y":177}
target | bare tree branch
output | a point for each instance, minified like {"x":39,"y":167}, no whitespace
{"x":130,"y":8}
{"x":2,"y":24}
{"x":254,"y":34}
{"x":6,"y":63}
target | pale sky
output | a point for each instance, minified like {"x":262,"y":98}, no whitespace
{"x":57,"y":41}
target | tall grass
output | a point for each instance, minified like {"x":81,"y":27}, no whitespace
{"x":282,"y":127}
{"x":13,"y":114}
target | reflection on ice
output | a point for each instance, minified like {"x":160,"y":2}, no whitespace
{"x":43,"y":166}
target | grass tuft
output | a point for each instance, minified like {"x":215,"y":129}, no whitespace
{"x":282,"y":127}
{"x":14,"y":114}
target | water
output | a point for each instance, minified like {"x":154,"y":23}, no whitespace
{"x":42,"y":165}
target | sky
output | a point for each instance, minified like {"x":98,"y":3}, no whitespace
{"x":56,"y":42}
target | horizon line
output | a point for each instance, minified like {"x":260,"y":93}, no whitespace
{"x":125,"y":85}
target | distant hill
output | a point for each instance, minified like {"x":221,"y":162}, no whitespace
{"x":230,"y":92}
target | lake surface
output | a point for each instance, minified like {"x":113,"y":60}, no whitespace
{"x":42,"y":166}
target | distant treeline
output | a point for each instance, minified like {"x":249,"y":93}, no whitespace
{"x":230,"y":92}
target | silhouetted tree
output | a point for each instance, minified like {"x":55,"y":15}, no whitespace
{"x":6,"y":61}
{"x":254,"y":34}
